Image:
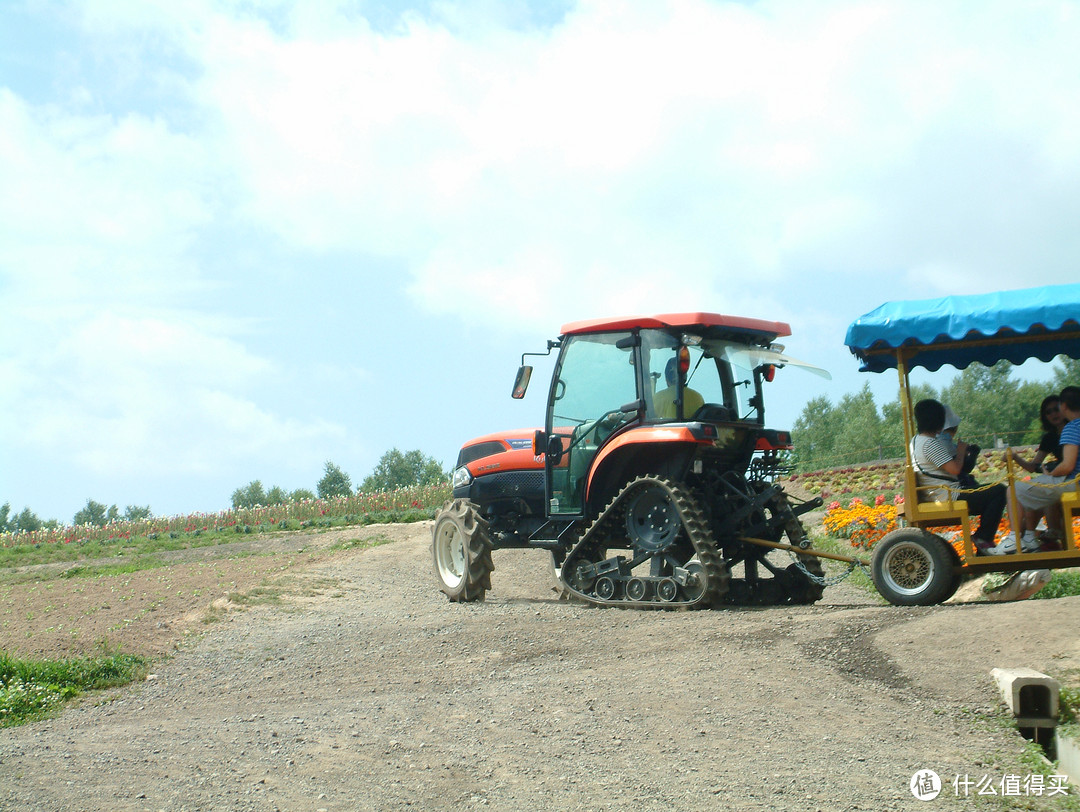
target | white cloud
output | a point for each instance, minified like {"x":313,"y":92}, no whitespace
{"x":112,"y":356}
{"x":709,"y":142}
{"x":156,"y":394}
{"x":95,"y":209}
{"x":780,"y":159}
{"x":705,"y":143}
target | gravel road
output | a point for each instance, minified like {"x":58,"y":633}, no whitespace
{"x":374,"y":693}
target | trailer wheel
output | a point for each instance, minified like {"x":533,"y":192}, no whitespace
{"x":461,"y":552}
{"x":911,"y":567}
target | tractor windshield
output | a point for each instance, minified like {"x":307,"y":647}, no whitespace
{"x":737,"y":362}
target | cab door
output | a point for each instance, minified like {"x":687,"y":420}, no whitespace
{"x":595,"y":377}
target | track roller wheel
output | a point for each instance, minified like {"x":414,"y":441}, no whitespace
{"x":637,"y":589}
{"x":605,"y":588}
{"x":461,"y":552}
{"x":667,"y":590}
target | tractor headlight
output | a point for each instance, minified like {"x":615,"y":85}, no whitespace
{"x":462,"y":478}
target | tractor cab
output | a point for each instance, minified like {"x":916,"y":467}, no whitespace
{"x":623,"y":387}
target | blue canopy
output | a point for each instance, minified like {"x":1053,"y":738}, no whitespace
{"x":1011,"y":325}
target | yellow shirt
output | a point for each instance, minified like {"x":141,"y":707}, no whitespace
{"x":664,"y":403}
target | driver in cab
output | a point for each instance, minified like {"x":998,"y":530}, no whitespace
{"x":664,"y":400}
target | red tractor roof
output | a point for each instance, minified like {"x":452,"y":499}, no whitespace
{"x":769,"y":329}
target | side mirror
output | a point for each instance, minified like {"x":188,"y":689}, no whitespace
{"x":521,"y":382}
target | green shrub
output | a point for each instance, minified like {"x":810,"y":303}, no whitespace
{"x":1063,"y":584}
{"x":31,"y":689}
{"x":1069,"y":706}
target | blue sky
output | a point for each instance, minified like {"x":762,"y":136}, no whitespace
{"x":239,"y":239}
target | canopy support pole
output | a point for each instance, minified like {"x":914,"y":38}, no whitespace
{"x":905,"y":403}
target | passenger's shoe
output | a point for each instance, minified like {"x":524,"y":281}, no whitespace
{"x":987,"y":548}
{"x":1007,"y":545}
{"x":1030,"y":544}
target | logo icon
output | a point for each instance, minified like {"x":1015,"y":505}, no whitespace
{"x":925,"y":785}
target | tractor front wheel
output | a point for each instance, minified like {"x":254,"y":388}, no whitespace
{"x":913,"y":568}
{"x":461,"y":551}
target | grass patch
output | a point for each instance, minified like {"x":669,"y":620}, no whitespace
{"x":266,"y":595}
{"x":1069,"y":699}
{"x":1063,"y":584}
{"x":360,"y":544}
{"x":858,"y":578}
{"x":271,"y":593}
{"x":1069,"y":703}
{"x":27,"y":555}
{"x":124,"y":568}
{"x":65,"y":543}
{"x":1022,"y":759}
{"x":34,"y":689}
{"x":15,"y":554}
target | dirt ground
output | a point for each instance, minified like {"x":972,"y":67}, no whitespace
{"x":44,"y":613}
{"x":317,"y":673}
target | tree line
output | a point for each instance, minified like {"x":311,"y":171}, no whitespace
{"x":395,"y":469}
{"x":27,"y":521}
{"x":992,"y":405}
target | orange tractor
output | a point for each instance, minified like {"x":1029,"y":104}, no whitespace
{"x":651,"y":483}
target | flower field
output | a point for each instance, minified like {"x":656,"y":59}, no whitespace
{"x":887,"y":478}
{"x":884,"y":478}
{"x":862,"y":523}
{"x":401,"y":505}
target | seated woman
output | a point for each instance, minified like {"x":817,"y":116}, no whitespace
{"x":1047,"y":455}
{"x":939,"y":465}
{"x":1046,"y":490}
